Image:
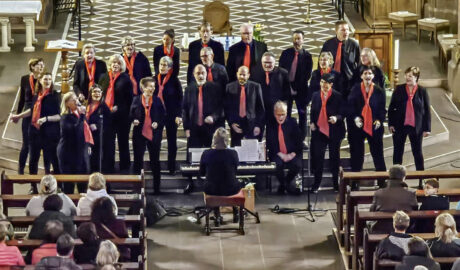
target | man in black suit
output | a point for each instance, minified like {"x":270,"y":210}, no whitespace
{"x":274,"y":82}
{"x":215,"y":71}
{"x":244,"y":108}
{"x":195,"y":47}
{"x":201,"y":109}
{"x":248,"y":52}
{"x":88,"y":71}
{"x":298,"y":62}
{"x":284,"y":144}
{"x":137,"y":65}
{"x":346,"y":54}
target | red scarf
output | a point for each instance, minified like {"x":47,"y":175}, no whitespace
{"x":171,"y":50}
{"x":38,"y":108}
{"x":90,"y":109}
{"x":91,"y":72}
{"x":242,"y":111}
{"x":110,"y":95}
{"x":147,"y":131}
{"x":86,"y":130}
{"x":409,"y":120}
{"x":328,"y":70}
{"x":161,"y":84}
{"x":322,"y":119}
{"x":281,"y":141}
{"x":32,"y":84}
{"x":200,"y":105}
{"x":130,"y":67}
{"x":366,"y":113}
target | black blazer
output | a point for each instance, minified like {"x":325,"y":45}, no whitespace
{"x":172,"y":95}
{"x":123,"y":93}
{"x":316,"y":79}
{"x":279,"y":88}
{"x":292,"y":138}
{"x":334,"y":107}
{"x":194,"y":55}
{"x":25,"y":94}
{"x":96,"y":119}
{"x":158,"y":53}
{"x":236,"y":56}
{"x":212,"y":104}
{"x":397,"y":109}
{"x":255,"y":110}
{"x":219,"y":75}
{"x":303,"y":72}
{"x":38,"y":227}
{"x":81,"y":80}
{"x":350,"y":55}
{"x":141,"y":69}
{"x":157,"y":114}
{"x":219,"y":166}
{"x":50,"y":106}
{"x":377,"y":104}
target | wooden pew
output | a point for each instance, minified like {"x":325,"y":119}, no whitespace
{"x":136,"y":181}
{"x":34,"y":243}
{"x":361,"y":217}
{"x":24,"y":221}
{"x":390,"y":265}
{"x":124,"y":265}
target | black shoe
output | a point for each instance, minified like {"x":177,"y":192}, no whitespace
{"x":218,"y":221}
{"x":188,"y":189}
{"x":314,"y":189}
{"x":172,"y":172}
{"x":33,"y":189}
{"x":281,"y":190}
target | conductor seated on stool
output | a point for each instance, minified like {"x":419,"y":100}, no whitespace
{"x":219,"y":164}
{"x":284,"y":144}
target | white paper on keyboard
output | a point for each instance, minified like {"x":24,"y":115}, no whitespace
{"x":196,"y":154}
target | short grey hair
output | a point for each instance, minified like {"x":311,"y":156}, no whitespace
{"x":401,"y":220}
{"x":107,"y":254}
{"x":207,"y":50}
{"x":48,"y":185}
{"x":168,"y":60}
{"x":88,"y":46}
{"x":269,"y":54}
{"x":127,"y":39}
{"x":96,"y":181}
{"x":280,"y":105}
{"x":119,"y":58}
{"x":246,"y":25}
{"x":330,"y":58}
{"x":397,"y":172}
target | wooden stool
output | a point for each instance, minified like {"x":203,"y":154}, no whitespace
{"x":404,"y":18}
{"x":212,"y":201}
{"x":432,"y":25}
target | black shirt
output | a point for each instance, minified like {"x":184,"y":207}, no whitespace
{"x":219,"y":166}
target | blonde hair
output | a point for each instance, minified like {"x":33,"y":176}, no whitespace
{"x":330,"y":59}
{"x":108,"y":253}
{"x":445,"y":228}
{"x":372,"y":56}
{"x":119,"y":58}
{"x":220,"y":138}
{"x":96,"y":181}
{"x":65,"y":98}
{"x":280,"y":105}
{"x":401,"y":221}
{"x":48,"y":185}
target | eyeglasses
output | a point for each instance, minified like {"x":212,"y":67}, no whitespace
{"x":129,"y":45}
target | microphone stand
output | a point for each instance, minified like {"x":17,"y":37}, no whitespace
{"x":309,"y":207}
{"x":101,"y":122}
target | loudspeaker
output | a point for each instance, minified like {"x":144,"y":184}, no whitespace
{"x":154,"y":212}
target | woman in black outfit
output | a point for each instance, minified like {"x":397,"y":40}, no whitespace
{"x":73,"y":148}
{"x":118,"y":95}
{"x":99,"y":118}
{"x":147,"y":114}
{"x":325,"y":62}
{"x":169,"y":90}
{"x":167,"y":49}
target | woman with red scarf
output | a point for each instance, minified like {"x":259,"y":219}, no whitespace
{"x":73,"y":149}
{"x":327,"y":128}
{"x":167,"y":49}
{"x":118,"y":93}
{"x":169,"y":90}
{"x":147,"y":114}
{"x":409,"y":115}
{"x":137,"y":65}
{"x":326,"y":62}
{"x":99,"y":118}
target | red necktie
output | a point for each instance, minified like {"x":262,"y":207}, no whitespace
{"x":205,"y":45}
{"x":410,"y":115}
{"x":91,"y":71}
{"x":322,"y":119}
{"x":247,"y":56}
{"x":130,"y":67}
{"x":338,"y":57}
{"x":110,"y":95}
{"x":209,"y":75}
{"x":366,"y":113}
{"x":200,"y":105}
{"x":328,"y":70}
{"x":243,"y":102}
{"x":281,"y":141}
{"x":293,"y":67}
{"x":32,"y":84}
{"x":267,"y":77}
{"x":86,"y":130}
{"x":147,"y":131}
{"x":161,"y":85}
{"x":38,"y":108}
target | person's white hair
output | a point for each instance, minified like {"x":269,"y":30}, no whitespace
{"x":280,"y":105}
{"x":119,"y":58}
{"x":107,"y":254}
{"x":246,"y":25}
{"x":168,"y":60}
{"x":126,"y":40}
{"x":48,"y":185}
{"x":88,"y":46}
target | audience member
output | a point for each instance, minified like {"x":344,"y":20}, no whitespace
{"x":456,"y":265}
{"x":431,"y":201}
{"x":446,"y":243}
{"x":108,"y":254}
{"x":86,"y":253}
{"x":52,"y":231}
{"x":4,"y":220}
{"x":8,"y":255}
{"x":96,"y":189}
{"x":395,"y":245}
{"x":48,"y":186}
{"x":419,"y":254}
{"x":65,"y":245}
{"x":52,"y":206}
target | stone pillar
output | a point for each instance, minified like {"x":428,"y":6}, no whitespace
{"x":453,"y":69}
{"x":4,"y":21}
{"x":29,"y":36}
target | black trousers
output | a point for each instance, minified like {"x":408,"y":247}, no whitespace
{"x":171,"y":135}
{"x":201,"y":136}
{"x":25,"y":144}
{"x":301,"y":105}
{"x":399,"y":139}
{"x":356,"y":137}
{"x":318,"y":145}
{"x":248,"y":133}
{"x":293,"y":168}
{"x":38,"y":141}
{"x":121,"y":128}
{"x":153,"y":147}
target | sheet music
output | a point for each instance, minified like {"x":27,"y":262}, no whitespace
{"x":61,"y":43}
{"x":196,"y":154}
{"x":251,"y":148}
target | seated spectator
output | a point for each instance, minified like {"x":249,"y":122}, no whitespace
{"x":107,"y":224}
{"x":65,"y":244}
{"x":48,"y":186}
{"x":53,"y":229}
{"x":87,"y":252}
{"x":4,"y":220}
{"x":394,"y":246}
{"x":52,"y":206}
{"x":419,"y":254}
{"x":431,"y":201}
{"x":9,"y":255}
{"x":395,"y":196}
{"x":96,"y":189}
{"x":420,"y":267}
{"x":456,"y":265}
{"x":446,"y":243}
{"x":110,"y":267}
{"x":108,"y":254}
